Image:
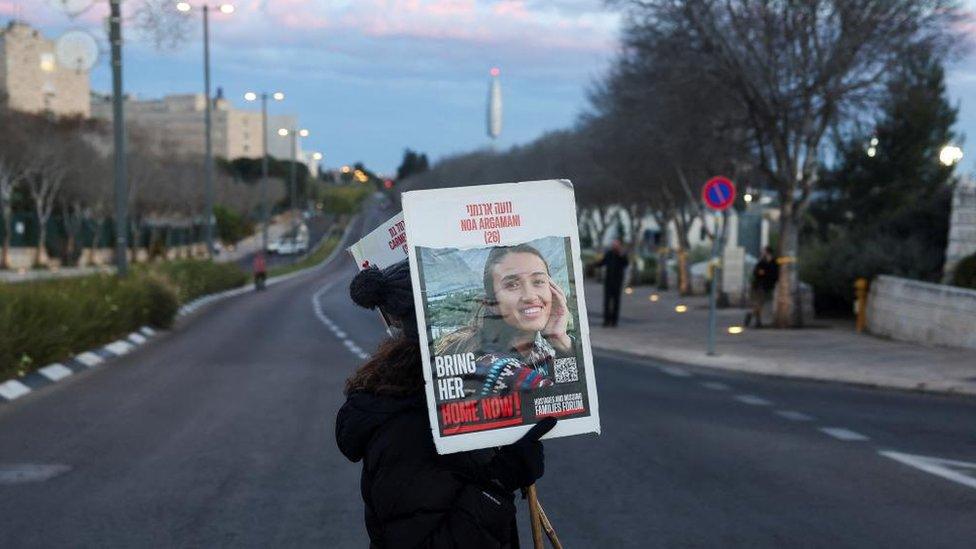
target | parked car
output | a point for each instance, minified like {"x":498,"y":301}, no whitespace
{"x":287,"y":247}
{"x":292,"y":246}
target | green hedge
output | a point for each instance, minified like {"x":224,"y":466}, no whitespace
{"x":194,"y":278}
{"x":345,"y":199}
{"x":965,"y":273}
{"x":47,"y":321}
{"x":232,"y":227}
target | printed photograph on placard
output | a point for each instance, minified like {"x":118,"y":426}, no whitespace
{"x":503,"y":334}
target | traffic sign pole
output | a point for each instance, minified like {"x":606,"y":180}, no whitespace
{"x":718,"y":193}
{"x":713,"y":289}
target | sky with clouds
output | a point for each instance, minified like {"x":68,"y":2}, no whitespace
{"x":372,"y":77}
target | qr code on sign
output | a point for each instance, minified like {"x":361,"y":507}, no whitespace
{"x":566,"y":371}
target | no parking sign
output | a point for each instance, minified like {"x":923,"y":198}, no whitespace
{"x":718,"y":193}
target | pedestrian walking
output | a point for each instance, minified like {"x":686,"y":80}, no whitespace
{"x":413,"y":496}
{"x":764,"y":277}
{"x":260,"y":269}
{"x":614,"y":263}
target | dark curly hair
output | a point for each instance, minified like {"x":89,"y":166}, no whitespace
{"x":394,"y":369}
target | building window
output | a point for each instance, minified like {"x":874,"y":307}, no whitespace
{"x":48,"y":64}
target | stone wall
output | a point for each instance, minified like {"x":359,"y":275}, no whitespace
{"x":22,"y":258}
{"x":909,"y":310}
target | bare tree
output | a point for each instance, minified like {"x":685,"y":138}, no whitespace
{"x":796,"y":69}
{"x":49,"y":166}
{"x":10,"y":176}
{"x":661,"y":133}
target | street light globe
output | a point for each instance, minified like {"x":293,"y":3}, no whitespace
{"x":303,"y":133}
{"x":283,"y":132}
{"x":250,"y":96}
{"x":950,"y":154}
{"x":227,"y":8}
{"x":747,"y":197}
{"x":317,"y":156}
{"x":183,"y":6}
{"x":278,"y":96}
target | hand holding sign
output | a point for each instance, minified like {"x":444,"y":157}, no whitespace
{"x":523,"y":462}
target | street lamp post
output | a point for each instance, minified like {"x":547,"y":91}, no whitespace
{"x":295,"y":134}
{"x":208,"y":139}
{"x":251,"y":96}
{"x":118,"y":122}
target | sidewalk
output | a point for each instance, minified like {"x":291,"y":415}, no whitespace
{"x":828,"y":351}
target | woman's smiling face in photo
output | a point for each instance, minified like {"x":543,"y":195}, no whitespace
{"x":522,"y":291}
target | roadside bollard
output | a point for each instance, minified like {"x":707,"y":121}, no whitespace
{"x":861,"y":303}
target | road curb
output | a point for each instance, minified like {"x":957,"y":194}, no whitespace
{"x":18,"y":387}
{"x":13,"y":389}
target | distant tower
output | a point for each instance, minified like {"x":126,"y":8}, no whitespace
{"x":494,"y":105}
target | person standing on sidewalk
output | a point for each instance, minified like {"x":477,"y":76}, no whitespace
{"x":260,"y":268}
{"x":614,"y":265}
{"x":764,"y":277}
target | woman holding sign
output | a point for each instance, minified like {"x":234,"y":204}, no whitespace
{"x":413,"y":496}
{"x":522,"y":323}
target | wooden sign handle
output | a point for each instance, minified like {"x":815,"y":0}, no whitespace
{"x":547,"y":527}
{"x":534,"y":516}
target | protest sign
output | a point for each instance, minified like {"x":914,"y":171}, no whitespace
{"x":383,"y":246}
{"x":498,"y":288}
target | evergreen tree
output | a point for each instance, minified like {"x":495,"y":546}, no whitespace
{"x":412,"y":163}
{"x":885,"y":205}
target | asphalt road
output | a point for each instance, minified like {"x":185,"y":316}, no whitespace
{"x":219,"y":434}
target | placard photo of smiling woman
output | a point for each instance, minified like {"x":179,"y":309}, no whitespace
{"x":498,"y":284}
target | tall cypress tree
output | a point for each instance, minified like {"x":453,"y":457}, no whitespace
{"x":885,"y":205}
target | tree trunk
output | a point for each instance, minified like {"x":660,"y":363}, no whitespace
{"x":7,"y":224}
{"x":40,"y":251}
{"x":662,"y":268}
{"x":785,"y":301}
{"x":96,"y":240}
{"x":135,"y":235}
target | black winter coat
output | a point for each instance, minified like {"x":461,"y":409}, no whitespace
{"x":415,"y":497}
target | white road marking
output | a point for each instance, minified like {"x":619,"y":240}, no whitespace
{"x":675,"y":372}
{"x":137,"y":338}
{"x":841,"y":433}
{"x":119,"y":347}
{"x":752,"y":400}
{"x":949,"y":469}
{"x":332,"y":326}
{"x":55,"y":372}
{"x":147,"y":331}
{"x":18,"y":473}
{"x":13,"y":389}
{"x":89,"y":359}
{"x":793,"y":415}
{"x":715,"y":386}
